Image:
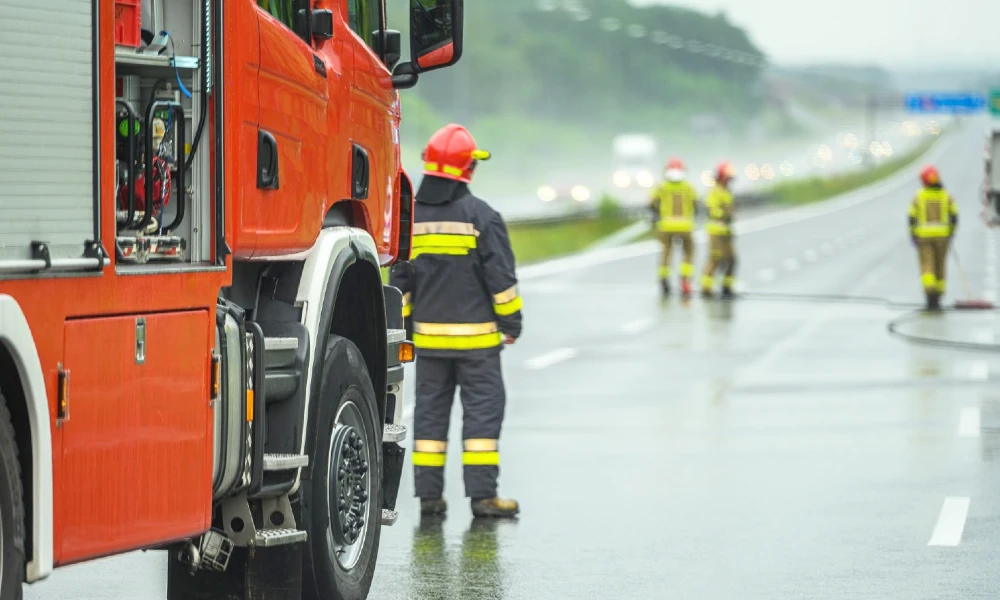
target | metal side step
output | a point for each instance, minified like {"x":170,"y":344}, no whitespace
{"x":279,"y":537}
{"x":393,"y":433}
{"x":389,"y":517}
{"x":285,"y":462}
{"x":280,"y":351}
{"x":394,"y":336}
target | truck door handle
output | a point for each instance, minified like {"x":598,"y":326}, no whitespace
{"x":267,"y":161}
{"x":360,"y":173}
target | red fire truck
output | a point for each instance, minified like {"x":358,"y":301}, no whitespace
{"x":197,"y":353}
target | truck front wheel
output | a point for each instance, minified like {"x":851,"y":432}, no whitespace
{"x":342,"y":499}
{"x":11,"y":511}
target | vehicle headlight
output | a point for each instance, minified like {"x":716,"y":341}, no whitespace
{"x":644,"y":178}
{"x":580,"y":193}
{"x":547,"y":193}
{"x":621,"y":179}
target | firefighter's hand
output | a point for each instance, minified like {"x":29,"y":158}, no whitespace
{"x":508,"y":339}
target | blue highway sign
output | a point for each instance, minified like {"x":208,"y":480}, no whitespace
{"x":961,"y":102}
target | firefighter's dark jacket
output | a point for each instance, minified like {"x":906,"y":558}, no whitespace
{"x":459,"y":288}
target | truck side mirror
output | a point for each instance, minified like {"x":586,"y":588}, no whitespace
{"x":436,"y":28}
{"x":392,"y":48}
{"x":321,"y":24}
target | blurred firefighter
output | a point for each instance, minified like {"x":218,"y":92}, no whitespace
{"x":933,"y":219}
{"x":461,"y":302}
{"x":721,"y":254}
{"x":673,"y":206}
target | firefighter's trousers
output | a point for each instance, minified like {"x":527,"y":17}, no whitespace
{"x":480,"y":383}
{"x":686,"y":241}
{"x":721,"y":257}
{"x":933,"y":254}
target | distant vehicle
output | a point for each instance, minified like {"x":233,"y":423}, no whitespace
{"x":635,"y":161}
{"x":564,"y":191}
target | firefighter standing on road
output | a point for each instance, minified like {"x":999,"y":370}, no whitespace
{"x":933,"y":219}
{"x":462,"y":304}
{"x":721,"y":254}
{"x":673,"y":205}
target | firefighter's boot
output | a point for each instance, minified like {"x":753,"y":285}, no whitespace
{"x":686,"y":287}
{"x":727,"y":292}
{"x":433,"y":506}
{"x":665,"y":287}
{"x":933,"y":301}
{"x":498,"y":508}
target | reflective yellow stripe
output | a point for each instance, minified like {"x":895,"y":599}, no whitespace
{"x":407,"y":310}
{"x":433,"y":250}
{"x":675,"y":225}
{"x":444,"y":168}
{"x":717,"y":228}
{"x":455,"y":329}
{"x":428,"y":459}
{"x":450,"y":342}
{"x":480,"y":445}
{"x":932,"y":231}
{"x":433,"y":446}
{"x":508,"y":308}
{"x":929,"y":280}
{"x":687,"y":269}
{"x":482,"y":459}
{"x":505,"y":296}
{"x":440,"y":240}
{"x":447,"y":227}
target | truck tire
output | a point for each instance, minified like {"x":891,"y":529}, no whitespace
{"x":347,"y":453}
{"x":11,"y":511}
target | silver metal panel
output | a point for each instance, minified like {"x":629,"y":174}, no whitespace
{"x":46,"y":127}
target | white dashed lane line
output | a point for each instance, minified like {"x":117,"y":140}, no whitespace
{"x":968,"y":422}
{"x":951,"y":522}
{"x":551,"y":358}
{"x":637,"y":326}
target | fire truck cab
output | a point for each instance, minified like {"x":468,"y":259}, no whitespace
{"x":197,"y":353}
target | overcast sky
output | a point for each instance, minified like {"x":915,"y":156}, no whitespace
{"x":895,"y":33}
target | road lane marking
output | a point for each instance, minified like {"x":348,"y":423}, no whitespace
{"x":637,"y":326}
{"x":968,"y":422}
{"x":951,"y":522}
{"x":826,"y":248}
{"x":810,"y":255}
{"x":551,"y":358}
{"x":767,"y":275}
{"x":979,"y":371}
{"x":791,"y":264}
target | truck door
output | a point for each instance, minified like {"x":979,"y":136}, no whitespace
{"x":372,"y":99}
{"x":294,"y":95}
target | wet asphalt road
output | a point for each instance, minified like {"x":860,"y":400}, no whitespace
{"x":763,"y":448}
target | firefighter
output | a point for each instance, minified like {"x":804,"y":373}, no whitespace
{"x":933,"y":219}
{"x":721,"y":255}
{"x":461,"y":303}
{"x":672,"y":205}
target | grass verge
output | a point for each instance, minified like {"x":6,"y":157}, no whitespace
{"x":535,"y":242}
{"x":814,"y":189}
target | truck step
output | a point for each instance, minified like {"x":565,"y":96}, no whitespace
{"x":284,"y":462}
{"x":389,"y":517}
{"x":394,"y":336}
{"x":267,"y":538}
{"x":280,"y":351}
{"x":393,"y":433}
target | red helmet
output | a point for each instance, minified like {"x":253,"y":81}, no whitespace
{"x":451,"y":153}
{"x":675,"y":163}
{"x":929,"y":175}
{"x":725,"y":172}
